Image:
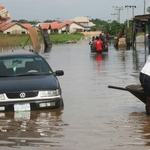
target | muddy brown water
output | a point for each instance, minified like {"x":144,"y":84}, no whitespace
{"x":94,"y":117}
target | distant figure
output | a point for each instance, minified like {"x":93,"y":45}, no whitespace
{"x":98,"y":45}
{"x":107,"y":35}
{"x":100,"y":36}
{"x":105,"y":44}
{"x":92,"y":43}
{"x":145,"y":82}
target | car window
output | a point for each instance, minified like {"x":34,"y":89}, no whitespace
{"x":24,"y":66}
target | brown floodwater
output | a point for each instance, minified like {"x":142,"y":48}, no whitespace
{"x":94,"y":117}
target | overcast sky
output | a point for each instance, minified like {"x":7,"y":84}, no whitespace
{"x":42,"y":10}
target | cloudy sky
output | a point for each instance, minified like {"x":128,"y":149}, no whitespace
{"x":65,"y":10}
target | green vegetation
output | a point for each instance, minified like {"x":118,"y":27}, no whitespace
{"x":62,"y":38}
{"x":12,"y":40}
{"x":20,"y":40}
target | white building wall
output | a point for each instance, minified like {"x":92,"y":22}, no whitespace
{"x":74,"y":27}
{"x":16,"y":29}
{"x":62,"y":29}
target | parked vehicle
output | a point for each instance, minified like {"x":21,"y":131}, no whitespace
{"x":28,"y":82}
{"x":87,"y":28}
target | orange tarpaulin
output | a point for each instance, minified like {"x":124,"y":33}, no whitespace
{"x":34,"y":38}
{"x":4,"y":15}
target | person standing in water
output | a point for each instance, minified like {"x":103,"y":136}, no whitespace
{"x":145,"y":82}
{"x":98,"y":45}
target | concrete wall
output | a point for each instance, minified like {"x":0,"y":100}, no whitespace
{"x":16,"y":29}
{"x":74,"y":27}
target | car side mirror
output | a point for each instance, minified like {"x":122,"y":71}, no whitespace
{"x":59,"y":72}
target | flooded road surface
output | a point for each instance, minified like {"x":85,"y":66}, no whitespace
{"x":94,"y":117}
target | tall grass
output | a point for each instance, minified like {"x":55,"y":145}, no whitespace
{"x":20,"y":40}
{"x":62,"y":38}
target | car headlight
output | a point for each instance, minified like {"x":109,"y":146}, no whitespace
{"x":2,"y":97}
{"x":49,"y":93}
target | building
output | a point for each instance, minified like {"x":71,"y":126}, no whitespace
{"x":63,"y":27}
{"x":83,"y":21}
{"x":14,"y":28}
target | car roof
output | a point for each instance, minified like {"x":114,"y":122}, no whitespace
{"x":19,"y":53}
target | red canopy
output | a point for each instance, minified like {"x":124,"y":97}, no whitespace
{"x":4,"y":15}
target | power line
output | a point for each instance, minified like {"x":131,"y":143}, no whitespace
{"x":114,"y":15}
{"x":135,"y":2}
{"x":118,"y":12}
{"x":140,"y":5}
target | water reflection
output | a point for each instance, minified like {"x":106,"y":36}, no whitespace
{"x":27,"y":128}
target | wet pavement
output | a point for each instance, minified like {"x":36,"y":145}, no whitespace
{"x":94,"y":117}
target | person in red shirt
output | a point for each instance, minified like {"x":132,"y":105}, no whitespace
{"x":98,"y":45}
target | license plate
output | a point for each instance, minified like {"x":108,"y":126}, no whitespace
{"x":22,"y":115}
{"x":22,"y":107}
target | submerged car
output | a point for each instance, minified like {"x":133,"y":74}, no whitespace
{"x":27,"y":82}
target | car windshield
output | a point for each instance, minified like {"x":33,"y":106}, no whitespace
{"x":86,"y":27}
{"x":23,"y":67}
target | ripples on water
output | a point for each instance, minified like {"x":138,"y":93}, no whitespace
{"x":94,"y":116}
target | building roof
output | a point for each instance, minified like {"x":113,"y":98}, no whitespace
{"x":81,"y":19}
{"x":60,"y":25}
{"x":26,"y":25}
{"x":6,"y":26}
{"x":45,"y":25}
{"x":57,"y":25}
{"x":2,"y":24}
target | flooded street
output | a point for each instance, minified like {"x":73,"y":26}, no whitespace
{"x":94,"y":116}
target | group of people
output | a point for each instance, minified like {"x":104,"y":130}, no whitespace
{"x":98,"y":44}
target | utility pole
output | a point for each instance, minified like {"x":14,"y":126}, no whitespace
{"x":118,"y":12}
{"x":144,"y":6}
{"x":114,"y":15}
{"x":127,"y":6}
{"x":128,"y":15}
{"x":133,"y":10}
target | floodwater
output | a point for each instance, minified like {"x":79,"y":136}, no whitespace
{"x":94,"y":116}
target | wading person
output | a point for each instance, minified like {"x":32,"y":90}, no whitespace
{"x":98,"y":45}
{"x":145,"y":82}
{"x":92,"y":44}
{"x":105,"y":44}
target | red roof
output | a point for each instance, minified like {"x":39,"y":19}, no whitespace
{"x":8,"y":25}
{"x":59,"y":25}
{"x":45,"y":26}
{"x":26,"y":25}
{"x":2,"y":24}
{"x":12,"y":23}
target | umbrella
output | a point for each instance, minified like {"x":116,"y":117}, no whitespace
{"x":4,"y":15}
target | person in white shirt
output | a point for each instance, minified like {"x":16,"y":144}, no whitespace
{"x":145,"y":82}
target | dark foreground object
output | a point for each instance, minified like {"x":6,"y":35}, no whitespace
{"x":134,"y":89}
